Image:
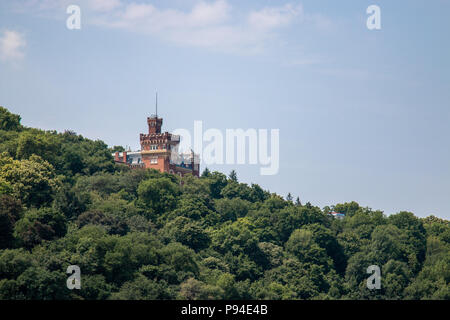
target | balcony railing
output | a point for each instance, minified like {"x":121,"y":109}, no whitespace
{"x":136,"y":165}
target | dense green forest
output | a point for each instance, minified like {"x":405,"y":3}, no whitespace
{"x":141,"y":234}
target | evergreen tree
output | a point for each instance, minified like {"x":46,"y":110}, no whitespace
{"x":206,"y":172}
{"x":233,"y":176}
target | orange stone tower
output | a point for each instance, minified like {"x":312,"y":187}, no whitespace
{"x":160,"y":151}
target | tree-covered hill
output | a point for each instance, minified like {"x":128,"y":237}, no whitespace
{"x":142,"y":234}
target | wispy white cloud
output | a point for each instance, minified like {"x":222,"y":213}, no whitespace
{"x":209,"y":24}
{"x":147,"y":18}
{"x":104,"y":5}
{"x":12,"y":45}
{"x":49,"y":5}
{"x":274,"y":17}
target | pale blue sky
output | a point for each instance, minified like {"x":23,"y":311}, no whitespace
{"x":363,"y":115}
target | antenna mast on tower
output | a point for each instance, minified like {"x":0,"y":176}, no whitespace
{"x":157,"y":103}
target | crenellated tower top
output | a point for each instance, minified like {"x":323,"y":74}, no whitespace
{"x":154,"y":124}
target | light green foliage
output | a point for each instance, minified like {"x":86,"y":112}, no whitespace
{"x":9,"y":121}
{"x":142,"y":234}
{"x":158,"y":194}
{"x":32,"y":181}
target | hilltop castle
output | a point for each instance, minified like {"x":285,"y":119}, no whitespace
{"x":160,"y":151}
